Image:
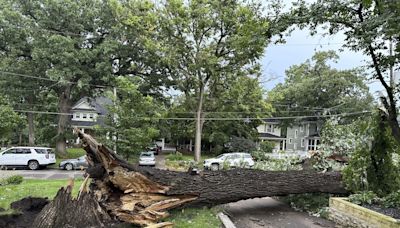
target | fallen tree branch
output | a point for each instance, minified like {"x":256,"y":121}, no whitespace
{"x":143,"y":196}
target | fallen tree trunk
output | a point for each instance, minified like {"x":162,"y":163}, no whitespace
{"x":142,"y":196}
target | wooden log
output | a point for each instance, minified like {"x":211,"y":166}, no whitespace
{"x":143,"y":196}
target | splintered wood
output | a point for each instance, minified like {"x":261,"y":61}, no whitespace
{"x":126,"y":194}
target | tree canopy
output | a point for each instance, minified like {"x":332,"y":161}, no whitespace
{"x":316,"y":88}
{"x":369,"y":26}
{"x":206,"y":45}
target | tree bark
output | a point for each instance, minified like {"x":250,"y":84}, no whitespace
{"x":31,"y":129}
{"x":199,"y":125}
{"x":142,"y":196}
{"x":63,"y":120}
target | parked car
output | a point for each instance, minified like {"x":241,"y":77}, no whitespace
{"x":147,"y":158}
{"x":76,"y":163}
{"x":33,"y":157}
{"x":230,"y":160}
{"x":155,"y":148}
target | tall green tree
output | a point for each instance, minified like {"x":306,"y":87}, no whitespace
{"x":9,"y":120}
{"x":64,"y":46}
{"x":316,"y":88}
{"x":205,"y":43}
{"x":370,"y":26}
{"x":131,"y":124}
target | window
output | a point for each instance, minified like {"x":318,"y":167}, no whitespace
{"x":12,"y":151}
{"x":91,"y":115}
{"x":270,"y":128}
{"x":302,"y":142}
{"x":295,"y":133}
{"x":23,"y":151}
{"x":302,"y":128}
{"x":313,"y":144}
{"x":290,"y":141}
{"x":84,"y":116}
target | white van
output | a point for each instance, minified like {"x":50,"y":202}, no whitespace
{"x":33,"y":157}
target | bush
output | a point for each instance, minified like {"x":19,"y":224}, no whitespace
{"x":267,"y":147}
{"x":371,"y":167}
{"x":16,"y":179}
{"x":313,"y":203}
{"x":238,"y":144}
{"x":392,"y":200}
{"x":366,"y":197}
{"x":175,"y":157}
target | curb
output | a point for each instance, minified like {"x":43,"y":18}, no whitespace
{"x":226,"y":221}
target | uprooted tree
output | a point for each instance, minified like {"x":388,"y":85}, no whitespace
{"x":122,"y":192}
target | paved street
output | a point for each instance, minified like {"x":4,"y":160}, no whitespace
{"x":42,"y":174}
{"x":270,"y":213}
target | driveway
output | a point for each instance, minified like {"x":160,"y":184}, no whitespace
{"x":42,"y":174}
{"x":270,"y":213}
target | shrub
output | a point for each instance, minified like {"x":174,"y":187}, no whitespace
{"x":371,"y":167}
{"x":313,"y":203}
{"x":366,"y":197}
{"x":16,"y":179}
{"x":267,"y":147}
{"x":175,"y":157}
{"x":392,"y":200}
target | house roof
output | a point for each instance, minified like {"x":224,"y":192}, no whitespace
{"x":98,"y":104}
{"x":269,"y":136}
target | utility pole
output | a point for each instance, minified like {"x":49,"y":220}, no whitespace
{"x":115,"y":120}
{"x":391,"y":73}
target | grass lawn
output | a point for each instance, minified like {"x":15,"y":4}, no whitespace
{"x":195,"y":218}
{"x":182,"y":218}
{"x":32,"y":187}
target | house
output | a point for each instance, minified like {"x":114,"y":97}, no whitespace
{"x":89,"y":112}
{"x":300,"y":137}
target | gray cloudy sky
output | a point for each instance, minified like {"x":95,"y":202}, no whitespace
{"x":299,"y":47}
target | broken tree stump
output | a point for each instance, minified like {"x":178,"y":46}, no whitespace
{"x":139,"y":195}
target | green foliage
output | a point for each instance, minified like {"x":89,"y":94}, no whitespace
{"x":211,"y":49}
{"x":315,"y":83}
{"x":267,"y":146}
{"x":195,"y":217}
{"x":261,"y":154}
{"x":365,"y":197}
{"x":371,"y":166}
{"x":285,"y":164}
{"x":174,"y":157}
{"x":33,"y":188}
{"x":315,"y":204}
{"x":14,"y":180}
{"x":9,"y":120}
{"x":238,"y":144}
{"x":75,"y":152}
{"x":392,"y":200}
{"x":132,"y":121}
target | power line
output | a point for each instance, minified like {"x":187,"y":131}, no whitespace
{"x":215,"y":118}
{"x":53,"y":80}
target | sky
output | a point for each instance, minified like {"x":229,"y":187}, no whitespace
{"x":299,"y":47}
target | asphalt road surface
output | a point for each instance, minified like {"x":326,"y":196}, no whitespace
{"x":42,"y":173}
{"x":49,"y":173}
{"x":270,"y":213}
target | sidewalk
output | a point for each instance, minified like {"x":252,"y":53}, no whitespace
{"x":270,"y":213}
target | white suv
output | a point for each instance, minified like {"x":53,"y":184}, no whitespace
{"x":229,"y":159}
{"x":33,"y":157}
